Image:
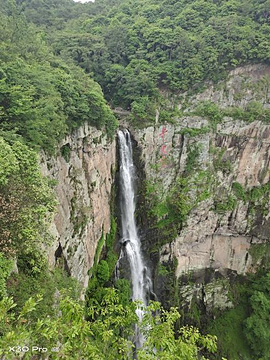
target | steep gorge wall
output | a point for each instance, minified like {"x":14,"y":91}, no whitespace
{"x":246,"y":149}
{"x":215,"y":234}
{"x":219,"y":234}
{"x":83,"y":171}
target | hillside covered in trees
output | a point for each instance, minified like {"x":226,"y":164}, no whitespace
{"x":137,"y":50}
{"x":63,"y":64}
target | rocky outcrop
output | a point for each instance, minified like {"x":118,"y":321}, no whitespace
{"x":212,"y":295}
{"x":233,"y":151}
{"x":243,"y":85}
{"x":218,"y":252}
{"x":246,"y":149}
{"x":83,"y":171}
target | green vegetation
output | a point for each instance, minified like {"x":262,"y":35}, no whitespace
{"x":5,"y":269}
{"x":135,"y":49}
{"x":22,"y":286}
{"x":220,"y":163}
{"x":111,"y":256}
{"x":65,"y":152}
{"x":229,"y":330}
{"x":243,"y":332}
{"x":192,"y":132}
{"x":223,"y":205}
{"x":257,"y":325}
{"x":239,"y":191}
{"x":162,"y":270}
{"x":193,"y":153}
{"x":253,"y":111}
{"x":103,"y":273}
{"x":27,"y":201}
{"x":102,"y":269}
{"x":260,"y":252}
{"x":143,"y":54}
{"x":107,"y":336}
{"x":41,"y":96}
{"x":209,"y":110}
{"x":169,"y":213}
{"x":124,"y":290}
{"x":257,"y":198}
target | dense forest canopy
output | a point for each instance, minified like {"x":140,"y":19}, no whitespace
{"x":42,"y":97}
{"x":62,"y":64}
{"x":134,"y":48}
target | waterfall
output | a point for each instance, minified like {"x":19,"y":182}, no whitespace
{"x":141,"y":282}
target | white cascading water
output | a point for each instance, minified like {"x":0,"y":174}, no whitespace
{"x":141,"y":283}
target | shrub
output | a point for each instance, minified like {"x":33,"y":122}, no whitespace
{"x":103,"y":273}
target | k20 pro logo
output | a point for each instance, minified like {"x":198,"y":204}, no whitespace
{"x":24,"y":349}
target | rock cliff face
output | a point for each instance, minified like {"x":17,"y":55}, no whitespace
{"x":227,"y":167}
{"x":243,"y":85}
{"x":246,"y":150}
{"x":230,"y":160}
{"x":83,"y":171}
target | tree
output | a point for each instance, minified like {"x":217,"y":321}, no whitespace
{"x":26,"y":201}
{"x":257,"y":325}
{"x":107,"y":336}
{"x":41,"y":96}
{"x":134,"y":49}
